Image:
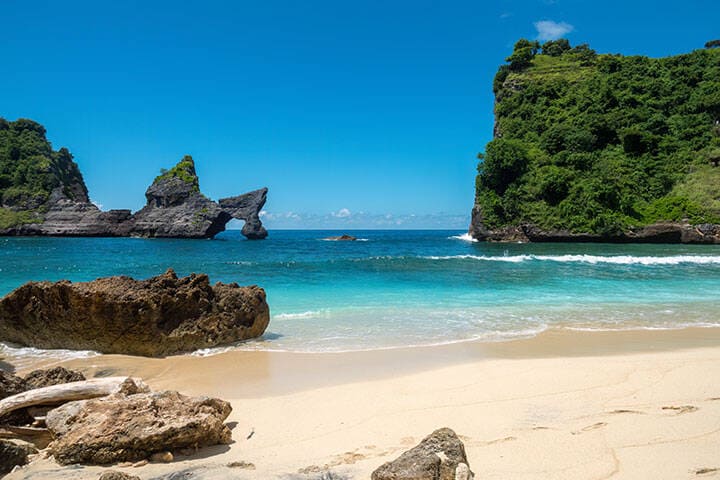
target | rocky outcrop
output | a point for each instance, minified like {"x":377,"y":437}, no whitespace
{"x":163,"y":315}
{"x":341,"y":238}
{"x":439,"y":456}
{"x":247,"y":207}
{"x":666,"y":232}
{"x":122,"y":428}
{"x":175,"y":209}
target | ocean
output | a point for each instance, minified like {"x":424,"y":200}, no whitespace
{"x":393,"y":289}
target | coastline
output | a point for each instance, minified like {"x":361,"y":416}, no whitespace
{"x":565,"y":404}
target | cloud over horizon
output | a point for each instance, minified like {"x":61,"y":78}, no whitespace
{"x":551,"y":30}
{"x":345,"y":219}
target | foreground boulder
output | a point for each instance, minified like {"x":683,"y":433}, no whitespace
{"x":121,"y":428}
{"x":440,"y":456}
{"x":163,"y":315}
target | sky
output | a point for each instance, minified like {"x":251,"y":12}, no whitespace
{"x":364,"y":114}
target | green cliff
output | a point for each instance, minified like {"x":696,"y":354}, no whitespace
{"x":30,"y":170}
{"x":600,"y":144}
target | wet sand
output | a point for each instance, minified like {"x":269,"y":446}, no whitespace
{"x":566,"y":404}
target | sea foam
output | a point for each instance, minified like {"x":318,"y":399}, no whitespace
{"x":591,"y":259}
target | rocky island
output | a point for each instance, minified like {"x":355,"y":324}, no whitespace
{"x":42,"y":192}
{"x":602,"y":148}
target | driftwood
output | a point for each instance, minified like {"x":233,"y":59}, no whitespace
{"x":67,"y":392}
{"x":40,"y":437}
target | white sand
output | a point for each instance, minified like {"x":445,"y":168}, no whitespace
{"x":563,"y":406}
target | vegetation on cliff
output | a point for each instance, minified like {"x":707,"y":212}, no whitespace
{"x":600,"y":143}
{"x":30,"y":170}
{"x":184,"y":170}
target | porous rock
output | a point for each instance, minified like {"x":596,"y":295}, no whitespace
{"x":439,"y":456}
{"x":159,"y":316}
{"x":121,"y":428}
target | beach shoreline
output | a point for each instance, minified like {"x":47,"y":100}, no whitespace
{"x":639,"y":404}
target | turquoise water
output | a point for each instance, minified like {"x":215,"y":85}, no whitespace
{"x":407,"y":288}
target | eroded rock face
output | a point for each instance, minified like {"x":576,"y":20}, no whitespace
{"x":175,"y":209}
{"x":122,"y":428}
{"x":439,"y":456}
{"x":247,"y":207}
{"x":163,"y":315}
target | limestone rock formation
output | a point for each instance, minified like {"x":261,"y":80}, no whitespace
{"x":247,"y":207}
{"x":121,"y":428}
{"x":176,"y":208}
{"x":439,"y":456}
{"x":163,"y":315}
{"x":59,"y":205}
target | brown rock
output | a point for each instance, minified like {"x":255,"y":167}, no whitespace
{"x":11,"y":384}
{"x":122,"y":428}
{"x":13,"y":453}
{"x":52,"y":376}
{"x":163,"y":315}
{"x":437,"y":457}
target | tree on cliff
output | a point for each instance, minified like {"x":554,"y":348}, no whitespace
{"x":713,"y":44}
{"x":600,"y":143}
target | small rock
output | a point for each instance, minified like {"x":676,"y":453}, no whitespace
{"x":163,"y":457}
{"x":114,"y":475}
{"x":462,"y":472}
{"x":437,"y":457}
{"x":241,"y":464}
{"x":125,"y":464}
{"x":141,"y":463}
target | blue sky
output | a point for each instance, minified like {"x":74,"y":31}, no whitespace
{"x":354,"y":114}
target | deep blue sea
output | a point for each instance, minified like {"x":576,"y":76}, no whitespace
{"x":406,"y":288}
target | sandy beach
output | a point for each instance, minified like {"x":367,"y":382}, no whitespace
{"x":563,"y":405}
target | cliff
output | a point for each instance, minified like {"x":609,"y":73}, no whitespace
{"x":590,"y":147}
{"x":42,"y":192}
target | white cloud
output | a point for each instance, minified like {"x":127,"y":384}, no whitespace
{"x":550,"y":30}
{"x":262,"y":213}
{"x":342,"y":213}
{"x":345,"y":219}
{"x":96,"y":203}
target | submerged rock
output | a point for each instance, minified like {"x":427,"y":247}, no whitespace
{"x":121,"y":428}
{"x":342,"y":238}
{"x":163,"y":315}
{"x":439,"y":456}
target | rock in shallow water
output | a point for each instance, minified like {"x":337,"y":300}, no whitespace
{"x":163,"y":315}
{"x":440,"y":456}
{"x":122,"y":428}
